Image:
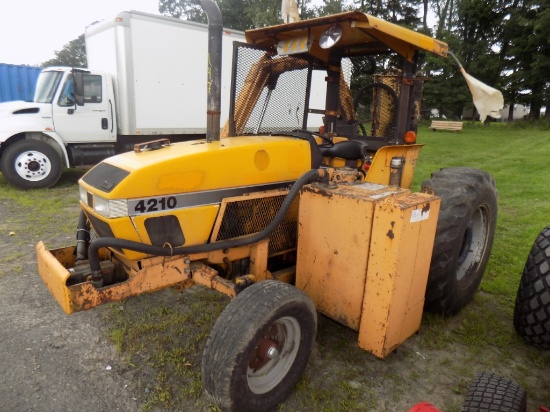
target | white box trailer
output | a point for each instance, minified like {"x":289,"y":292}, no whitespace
{"x":158,"y":65}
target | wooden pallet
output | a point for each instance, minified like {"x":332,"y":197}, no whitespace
{"x":446,"y":125}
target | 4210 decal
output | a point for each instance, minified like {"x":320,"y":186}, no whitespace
{"x":156,"y":204}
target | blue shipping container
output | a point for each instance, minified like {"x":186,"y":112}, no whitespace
{"x":17,"y":82}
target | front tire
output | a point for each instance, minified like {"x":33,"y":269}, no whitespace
{"x":532,"y":308}
{"x":259,"y":347}
{"x":31,"y":164}
{"x":464,"y":236}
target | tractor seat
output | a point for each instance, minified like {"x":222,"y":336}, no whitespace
{"x":348,"y":150}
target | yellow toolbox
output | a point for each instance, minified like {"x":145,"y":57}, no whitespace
{"x":363,"y":257}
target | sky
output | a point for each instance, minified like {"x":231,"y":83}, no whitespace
{"x":33,"y":30}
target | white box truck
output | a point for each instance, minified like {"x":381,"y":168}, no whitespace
{"x":146,"y":79}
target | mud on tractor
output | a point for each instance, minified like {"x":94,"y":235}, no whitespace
{"x":288,"y":218}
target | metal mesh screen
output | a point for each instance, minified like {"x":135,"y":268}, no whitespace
{"x":377,"y":108}
{"x":269,"y":92}
{"x":247,"y":216}
{"x":385,"y":106}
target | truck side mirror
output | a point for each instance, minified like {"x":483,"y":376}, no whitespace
{"x":79,"y":88}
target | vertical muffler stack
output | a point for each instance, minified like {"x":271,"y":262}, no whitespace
{"x":215,"y":27}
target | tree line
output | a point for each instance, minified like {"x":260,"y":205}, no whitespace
{"x":503,"y":43}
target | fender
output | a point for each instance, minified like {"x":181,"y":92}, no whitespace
{"x":33,"y":120}
{"x":60,"y":146}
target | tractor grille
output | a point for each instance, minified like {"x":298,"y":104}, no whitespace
{"x":269,"y":93}
{"x":247,"y":215}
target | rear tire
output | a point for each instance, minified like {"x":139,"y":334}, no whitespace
{"x":464,"y":236}
{"x":492,"y":393}
{"x":532,"y":308}
{"x":259,"y":347}
{"x":31,"y":164}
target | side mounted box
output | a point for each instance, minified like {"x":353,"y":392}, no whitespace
{"x":363,"y":257}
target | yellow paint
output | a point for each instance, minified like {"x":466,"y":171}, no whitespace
{"x":52,"y":267}
{"x":196,"y":224}
{"x":363,"y":258}
{"x":207,"y":166}
{"x":258,"y":259}
{"x":181,"y":182}
{"x":379,"y":171}
{"x":359,"y":29}
{"x":397,"y":273}
{"x":261,"y":160}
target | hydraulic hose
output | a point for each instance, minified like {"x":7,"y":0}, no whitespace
{"x":82,"y":237}
{"x":93,"y":250}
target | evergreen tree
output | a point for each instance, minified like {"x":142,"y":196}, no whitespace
{"x":73,"y":54}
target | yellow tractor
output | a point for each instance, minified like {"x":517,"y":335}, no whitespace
{"x":289,"y":209}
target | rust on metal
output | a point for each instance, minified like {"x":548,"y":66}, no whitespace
{"x":156,"y":273}
{"x":207,"y":276}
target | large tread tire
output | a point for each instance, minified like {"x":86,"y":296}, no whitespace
{"x":31,"y":164}
{"x":464,"y":236}
{"x":532,"y":308}
{"x":240,"y":370}
{"x":492,"y":393}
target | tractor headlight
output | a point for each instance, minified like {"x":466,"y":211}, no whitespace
{"x":110,"y":208}
{"x":105,"y":207}
{"x":331,"y":36}
{"x":83,"y":195}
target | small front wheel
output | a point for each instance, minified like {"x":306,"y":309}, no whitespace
{"x":31,"y":164}
{"x":259,"y":347}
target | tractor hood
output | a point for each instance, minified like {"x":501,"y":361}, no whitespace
{"x":197,"y":166}
{"x":174,"y":193}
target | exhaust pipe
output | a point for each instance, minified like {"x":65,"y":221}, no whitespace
{"x":215,"y":28}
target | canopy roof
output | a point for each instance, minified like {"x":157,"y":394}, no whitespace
{"x":362,"y":34}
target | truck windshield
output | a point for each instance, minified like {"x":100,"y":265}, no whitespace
{"x":46,"y":86}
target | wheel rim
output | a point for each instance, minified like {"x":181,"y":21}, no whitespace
{"x":274,"y":355}
{"x":32,"y":165}
{"x":474,"y":244}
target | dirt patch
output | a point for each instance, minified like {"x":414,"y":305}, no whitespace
{"x":145,"y":353}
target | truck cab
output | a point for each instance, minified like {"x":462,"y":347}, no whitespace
{"x":39,"y":138}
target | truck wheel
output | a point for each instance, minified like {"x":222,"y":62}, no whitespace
{"x":464,"y":236}
{"x":489,"y":392}
{"x":31,"y":164}
{"x":259,"y":347}
{"x":532,"y":309}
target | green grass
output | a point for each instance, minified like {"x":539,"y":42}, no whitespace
{"x":162,"y":336}
{"x":28,"y":216}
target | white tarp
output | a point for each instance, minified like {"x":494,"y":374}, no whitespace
{"x":488,"y":101}
{"x":289,"y":11}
